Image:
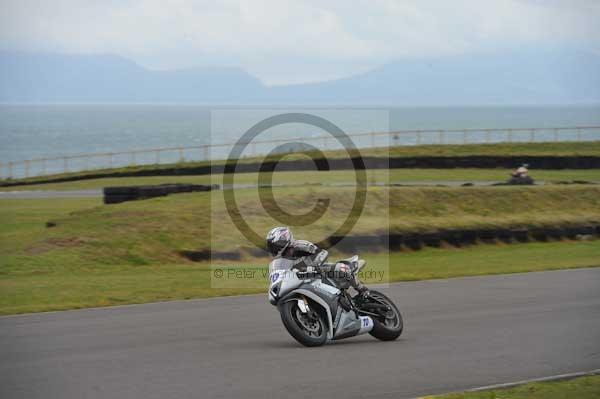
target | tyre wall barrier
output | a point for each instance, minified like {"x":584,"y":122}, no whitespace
{"x":206,"y":254}
{"x":357,"y":244}
{"x":459,"y":238}
{"x":475,"y":161}
{"x":115,"y":195}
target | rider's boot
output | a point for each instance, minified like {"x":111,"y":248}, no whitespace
{"x":349,"y":277}
{"x":362,"y":289}
{"x":356,"y":283}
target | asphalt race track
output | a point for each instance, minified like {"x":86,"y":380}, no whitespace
{"x":459,"y":334}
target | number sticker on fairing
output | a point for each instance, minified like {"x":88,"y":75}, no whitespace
{"x":274,"y":277}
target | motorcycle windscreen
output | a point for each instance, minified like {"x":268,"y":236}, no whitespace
{"x":281,"y":264}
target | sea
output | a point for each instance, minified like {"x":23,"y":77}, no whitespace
{"x":46,"y":131}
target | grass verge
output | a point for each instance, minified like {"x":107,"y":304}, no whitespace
{"x":74,"y":253}
{"x":580,"y":388}
{"x":155,"y":231}
{"x":39,"y":287}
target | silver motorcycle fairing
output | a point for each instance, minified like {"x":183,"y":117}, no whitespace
{"x":345,"y":324}
{"x":282,"y":279}
{"x":281,"y":283}
{"x":326,"y":296}
{"x":285,"y":286}
{"x":348,"y":324}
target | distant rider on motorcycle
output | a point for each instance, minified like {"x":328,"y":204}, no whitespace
{"x":521,"y":172}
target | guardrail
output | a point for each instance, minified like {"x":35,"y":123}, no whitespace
{"x":103,"y":160}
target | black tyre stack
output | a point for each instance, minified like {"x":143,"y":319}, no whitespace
{"x":115,"y":195}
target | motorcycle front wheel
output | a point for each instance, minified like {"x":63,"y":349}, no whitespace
{"x":308,"y":328}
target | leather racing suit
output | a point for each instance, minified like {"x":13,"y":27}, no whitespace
{"x":308,"y":255}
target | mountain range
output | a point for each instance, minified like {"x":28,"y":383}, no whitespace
{"x":505,"y":78}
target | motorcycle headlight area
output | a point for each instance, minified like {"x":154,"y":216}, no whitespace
{"x":275,"y":288}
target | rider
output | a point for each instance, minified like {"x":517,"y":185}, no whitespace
{"x":522,"y":171}
{"x":281,"y":243}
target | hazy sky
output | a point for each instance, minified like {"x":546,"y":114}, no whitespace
{"x":288,"y":41}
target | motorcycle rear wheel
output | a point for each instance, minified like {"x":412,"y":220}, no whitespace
{"x":309,"y":329}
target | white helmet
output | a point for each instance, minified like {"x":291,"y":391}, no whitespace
{"x":278,"y":239}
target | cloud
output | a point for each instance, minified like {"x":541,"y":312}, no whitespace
{"x":289,"y":40}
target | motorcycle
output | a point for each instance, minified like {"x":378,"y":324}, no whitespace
{"x":316,"y":307}
{"x":519,"y":179}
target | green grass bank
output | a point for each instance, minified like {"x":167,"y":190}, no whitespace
{"x":96,"y":255}
{"x":579,"y":388}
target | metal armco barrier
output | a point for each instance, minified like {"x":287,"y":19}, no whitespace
{"x":166,"y":155}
